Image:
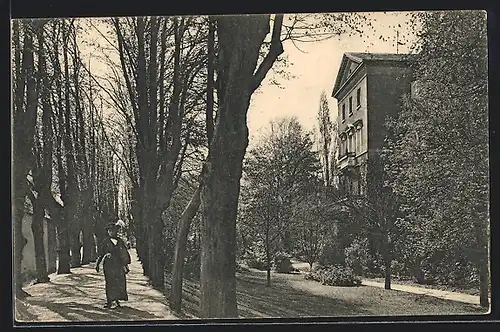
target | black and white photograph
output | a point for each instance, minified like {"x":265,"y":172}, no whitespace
{"x":250,"y":166}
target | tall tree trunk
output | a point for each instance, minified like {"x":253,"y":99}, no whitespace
{"x":38,"y":235}
{"x":71,"y":197}
{"x":240,"y":39}
{"x":482,"y":239}
{"x":268,"y":258}
{"x":484,"y":285}
{"x":88,"y":231}
{"x":64,"y":257}
{"x":193,"y":205}
{"x":42,"y":166}
{"x":64,"y":265}
{"x":24,"y":120}
{"x":387,"y":273}
{"x":180,"y":250}
{"x":52,"y":246}
{"x":387,"y":256}
{"x":74,"y":239}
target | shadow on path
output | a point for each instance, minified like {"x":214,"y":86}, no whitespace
{"x":256,"y":300}
{"x":290,"y":296}
{"x":80,"y":296}
{"x":75,"y":311}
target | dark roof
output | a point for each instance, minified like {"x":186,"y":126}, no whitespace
{"x":359,"y":58}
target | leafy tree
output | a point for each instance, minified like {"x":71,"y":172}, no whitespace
{"x":326,"y":132}
{"x":378,"y":211}
{"x":315,"y":221}
{"x":439,"y":158}
{"x":276,"y":174}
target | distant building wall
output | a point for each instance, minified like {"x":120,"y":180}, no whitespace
{"x":387,"y":83}
{"x":28,"y":263}
{"x":386,"y":86}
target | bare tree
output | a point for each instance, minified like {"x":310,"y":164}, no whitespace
{"x":23,"y":131}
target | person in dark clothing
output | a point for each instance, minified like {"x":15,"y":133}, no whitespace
{"x":116,"y":258}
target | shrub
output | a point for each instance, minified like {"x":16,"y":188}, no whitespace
{"x":256,"y":263}
{"x":282,"y":263}
{"x":331,"y":254}
{"x":334,"y":276}
{"x":255,"y":258}
{"x":400,"y":270}
{"x":240,"y":268}
{"x":192,"y":265}
{"x":357,"y":256}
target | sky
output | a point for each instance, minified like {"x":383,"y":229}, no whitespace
{"x":312,"y":69}
{"x":315,"y":71}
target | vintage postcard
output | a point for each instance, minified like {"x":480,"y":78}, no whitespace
{"x":250,"y":166}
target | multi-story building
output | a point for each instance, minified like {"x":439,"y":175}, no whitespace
{"x":368,"y":89}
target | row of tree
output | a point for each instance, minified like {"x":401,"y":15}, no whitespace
{"x":181,"y":88}
{"x":168,"y":71}
{"x":61,"y":163}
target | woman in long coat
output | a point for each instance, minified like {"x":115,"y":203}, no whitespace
{"x":116,"y":258}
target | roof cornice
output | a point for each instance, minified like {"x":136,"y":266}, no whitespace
{"x":347,"y":81}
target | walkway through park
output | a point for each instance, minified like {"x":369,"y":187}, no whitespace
{"x":446,"y":295}
{"x":80,"y":296}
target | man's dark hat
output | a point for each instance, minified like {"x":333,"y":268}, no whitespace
{"x":111,"y":225}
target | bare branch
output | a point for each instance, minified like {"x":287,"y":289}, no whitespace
{"x":275,"y":51}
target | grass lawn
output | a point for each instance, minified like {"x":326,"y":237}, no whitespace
{"x":292,"y":296}
{"x":470,"y":291}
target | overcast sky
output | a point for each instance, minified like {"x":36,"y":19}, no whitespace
{"x":313,"y":69}
{"x":316,"y":71}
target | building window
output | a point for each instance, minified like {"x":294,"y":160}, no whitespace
{"x":350,"y":106}
{"x":358,"y":98}
{"x":343,"y":112}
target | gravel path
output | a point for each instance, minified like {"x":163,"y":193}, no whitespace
{"x":80,"y":296}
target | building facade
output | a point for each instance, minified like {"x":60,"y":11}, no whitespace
{"x":368,"y":89}
{"x":28,"y":262}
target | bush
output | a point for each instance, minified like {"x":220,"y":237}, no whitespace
{"x":255,"y":258}
{"x":282,"y":263}
{"x":192,"y":265}
{"x":331,"y":254}
{"x":357,"y":256}
{"x":256,"y":263}
{"x":240,"y":268}
{"x":400,"y":270}
{"x":334,"y":276}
